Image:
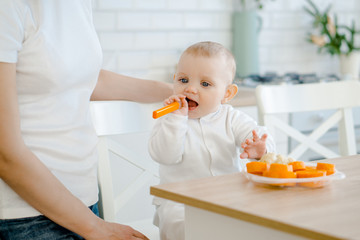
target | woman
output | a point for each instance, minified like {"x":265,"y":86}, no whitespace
{"x":50,"y":61}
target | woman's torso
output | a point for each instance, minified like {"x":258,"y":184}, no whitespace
{"x":58,"y":58}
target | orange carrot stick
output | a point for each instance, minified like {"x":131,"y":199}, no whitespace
{"x":165,"y":110}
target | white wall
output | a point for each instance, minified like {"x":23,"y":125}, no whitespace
{"x":283,"y":47}
{"x":144,"y":38}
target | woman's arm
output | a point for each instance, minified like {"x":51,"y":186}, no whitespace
{"x":113,"y":86}
{"x":28,"y":177}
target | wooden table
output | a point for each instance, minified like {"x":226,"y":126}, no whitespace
{"x":230,"y":207}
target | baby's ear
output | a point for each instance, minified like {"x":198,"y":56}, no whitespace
{"x":230,"y":93}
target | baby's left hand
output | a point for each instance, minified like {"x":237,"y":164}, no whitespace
{"x":254,"y":148}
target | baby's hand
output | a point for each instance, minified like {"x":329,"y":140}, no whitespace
{"x":183,"y":110}
{"x":254,"y":148}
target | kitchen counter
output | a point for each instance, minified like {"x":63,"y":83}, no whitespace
{"x":231,"y":207}
{"x":244,"y":98}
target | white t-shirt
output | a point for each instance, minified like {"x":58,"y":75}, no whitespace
{"x":58,"y":59}
{"x":197,"y":148}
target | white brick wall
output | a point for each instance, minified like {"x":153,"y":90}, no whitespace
{"x":144,"y":38}
{"x":282,"y":43}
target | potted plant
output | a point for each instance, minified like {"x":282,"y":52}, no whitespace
{"x":335,"y":39}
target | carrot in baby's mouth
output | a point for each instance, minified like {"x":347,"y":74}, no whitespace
{"x":165,"y":110}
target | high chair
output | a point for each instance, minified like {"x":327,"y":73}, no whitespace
{"x":125,"y":170}
{"x":341,"y":97}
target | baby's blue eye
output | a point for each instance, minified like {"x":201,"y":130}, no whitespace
{"x":205,"y":84}
{"x":183,"y":80}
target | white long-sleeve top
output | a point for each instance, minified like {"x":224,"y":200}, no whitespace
{"x":209,"y":146}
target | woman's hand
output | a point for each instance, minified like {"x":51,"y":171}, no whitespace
{"x":114,"y":231}
{"x":254,"y":148}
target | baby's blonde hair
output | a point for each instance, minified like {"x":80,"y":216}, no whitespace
{"x":210,"y":49}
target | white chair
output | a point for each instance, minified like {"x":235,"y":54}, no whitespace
{"x":126,"y":170}
{"x":274,"y":101}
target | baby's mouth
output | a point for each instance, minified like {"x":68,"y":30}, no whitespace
{"x":191,"y":104}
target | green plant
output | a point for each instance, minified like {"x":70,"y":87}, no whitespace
{"x":333,"y":38}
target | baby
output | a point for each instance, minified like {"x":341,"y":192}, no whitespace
{"x":204,"y":137}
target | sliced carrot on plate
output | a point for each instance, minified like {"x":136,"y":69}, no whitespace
{"x":278,"y":170}
{"x":310,"y":167}
{"x":280,"y":174}
{"x":278,"y":167}
{"x":257,"y":167}
{"x":311,"y":174}
{"x":275,"y":174}
{"x":298,"y":165}
{"x":328,"y":167}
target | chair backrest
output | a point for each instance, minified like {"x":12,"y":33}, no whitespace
{"x":125,"y":170}
{"x":342,"y":96}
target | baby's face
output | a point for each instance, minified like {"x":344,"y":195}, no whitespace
{"x":203,"y":80}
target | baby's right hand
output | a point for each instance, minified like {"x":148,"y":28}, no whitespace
{"x":183,"y":110}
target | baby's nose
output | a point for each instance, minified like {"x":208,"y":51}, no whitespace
{"x":191,"y":89}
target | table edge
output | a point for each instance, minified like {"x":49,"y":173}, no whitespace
{"x":281,"y":226}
